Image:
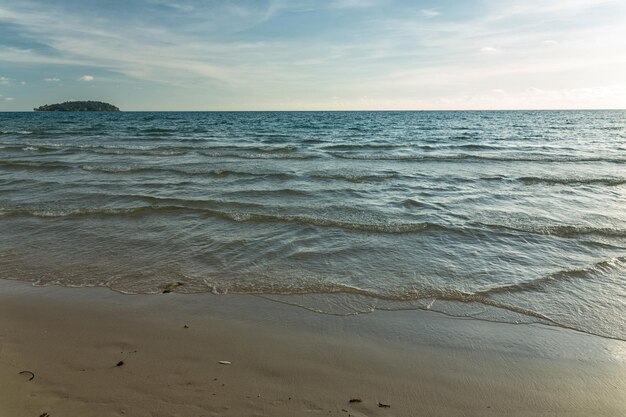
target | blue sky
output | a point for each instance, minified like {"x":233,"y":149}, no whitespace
{"x":308,"y":55}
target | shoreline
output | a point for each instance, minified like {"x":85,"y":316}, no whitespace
{"x":286,"y":361}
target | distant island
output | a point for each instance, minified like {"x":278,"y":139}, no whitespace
{"x":78,"y":106}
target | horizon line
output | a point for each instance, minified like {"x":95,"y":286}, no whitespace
{"x":322,"y":110}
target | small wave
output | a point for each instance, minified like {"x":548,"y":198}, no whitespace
{"x":357,"y":177}
{"x":280,"y":137}
{"x":608,"y":181}
{"x":71,"y":148}
{"x":178,"y":151}
{"x":119,"y":169}
{"x":465,"y":136}
{"x":438,"y":146}
{"x":29,"y":147}
{"x":36,"y":133}
{"x":263,"y":149}
{"x":14,"y":133}
{"x":564,"y":231}
{"x":284,"y":192}
{"x":418,"y":300}
{"x":602,"y":267}
{"x":84,"y":212}
{"x":329,"y":288}
{"x":27,"y":165}
{"x":389,"y":227}
{"x":257,"y":155}
{"x":410,"y":203}
{"x":361,"y":146}
{"x":469,"y":157}
{"x":573,"y":181}
{"x":158,"y":131}
{"x":217,"y":173}
{"x":181,"y":203}
{"x":207,"y":208}
{"x":98,"y":127}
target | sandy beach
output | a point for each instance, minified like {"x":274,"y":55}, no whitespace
{"x":286,"y":361}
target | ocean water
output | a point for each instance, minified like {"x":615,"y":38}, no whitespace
{"x":506,"y":216}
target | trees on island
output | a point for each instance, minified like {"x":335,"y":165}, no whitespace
{"x":78,"y":106}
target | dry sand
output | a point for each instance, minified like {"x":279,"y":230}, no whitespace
{"x":286,"y":361}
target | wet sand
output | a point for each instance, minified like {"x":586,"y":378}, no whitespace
{"x":286,"y":361}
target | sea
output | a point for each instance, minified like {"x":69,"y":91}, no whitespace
{"x":507,"y":216}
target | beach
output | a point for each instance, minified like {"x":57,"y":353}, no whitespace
{"x":280,"y":360}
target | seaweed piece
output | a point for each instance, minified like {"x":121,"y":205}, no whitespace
{"x":32,"y":375}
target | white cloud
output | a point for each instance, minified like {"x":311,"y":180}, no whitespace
{"x":9,"y":99}
{"x":550,"y":42}
{"x":430,"y":12}
{"x":541,"y":8}
{"x":52,"y":80}
{"x":187,"y":8}
{"x":22,"y":82}
{"x":5,"y":80}
{"x":86,"y":78}
{"x":498,"y":91}
{"x":488,"y":49}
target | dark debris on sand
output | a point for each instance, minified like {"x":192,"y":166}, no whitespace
{"x":32,"y":375}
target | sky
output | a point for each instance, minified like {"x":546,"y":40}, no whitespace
{"x":314,"y":54}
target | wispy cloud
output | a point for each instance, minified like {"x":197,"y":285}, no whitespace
{"x":86,"y":78}
{"x":52,"y":80}
{"x":488,"y":49}
{"x":430,"y":12}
